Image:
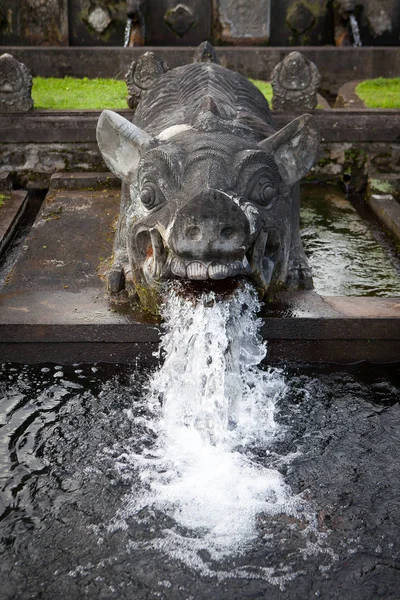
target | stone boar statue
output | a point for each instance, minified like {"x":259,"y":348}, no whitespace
{"x":210,"y":188}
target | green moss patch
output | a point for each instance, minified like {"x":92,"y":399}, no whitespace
{"x":3,"y":198}
{"x":380,"y":93}
{"x":70,"y":93}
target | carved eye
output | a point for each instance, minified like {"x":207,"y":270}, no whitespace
{"x":148,"y":197}
{"x":264,"y":192}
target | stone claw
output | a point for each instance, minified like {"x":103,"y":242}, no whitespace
{"x":299,"y":277}
{"x":116,"y":280}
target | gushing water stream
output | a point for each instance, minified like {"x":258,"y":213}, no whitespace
{"x":127,"y":32}
{"x":355,"y":31}
{"x":210,"y":407}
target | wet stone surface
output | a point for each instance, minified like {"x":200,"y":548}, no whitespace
{"x":62,"y":430}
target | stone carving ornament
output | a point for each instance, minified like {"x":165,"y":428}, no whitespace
{"x":15,"y":85}
{"x":295,"y":82}
{"x":209,"y":186}
{"x":244,"y":20}
{"x":180,"y":19}
{"x":141,"y":76}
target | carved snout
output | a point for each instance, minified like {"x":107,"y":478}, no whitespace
{"x":210,"y":226}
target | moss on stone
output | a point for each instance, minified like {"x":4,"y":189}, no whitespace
{"x":149,"y":299}
{"x":379,"y":185}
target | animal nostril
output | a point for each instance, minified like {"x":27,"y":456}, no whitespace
{"x":227,"y":233}
{"x":193,"y":233}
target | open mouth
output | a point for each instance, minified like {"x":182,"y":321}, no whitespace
{"x":199,"y":270}
{"x":158,"y":263}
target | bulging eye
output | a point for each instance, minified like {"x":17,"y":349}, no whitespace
{"x":148,"y":197}
{"x":264,"y":192}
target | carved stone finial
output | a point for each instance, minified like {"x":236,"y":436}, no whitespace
{"x":206,"y":53}
{"x":180,"y":19}
{"x":295,"y":81}
{"x":15,"y":86}
{"x":141,"y":76}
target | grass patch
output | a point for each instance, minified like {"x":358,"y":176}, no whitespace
{"x":72,"y":93}
{"x":3,"y":198}
{"x":264,"y":87}
{"x":380,"y":93}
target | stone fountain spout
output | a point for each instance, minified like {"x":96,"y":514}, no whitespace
{"x":135,"y":24}
{"x":346,"y":21}
{"x":210,"y":188}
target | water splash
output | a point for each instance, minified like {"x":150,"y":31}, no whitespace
{"x":355,"y":31}
{"x":209,"y":470}
{"x":127,"y":33}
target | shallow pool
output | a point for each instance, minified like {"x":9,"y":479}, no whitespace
{"x":66,"y":430}
{"x":343,"y":250}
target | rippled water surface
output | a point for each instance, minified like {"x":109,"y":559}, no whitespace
{"x":345,"y":256}
{"x":207,"y":476}
{"x":64,"y":434}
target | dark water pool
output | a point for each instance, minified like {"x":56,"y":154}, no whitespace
{"x":62,"y":429}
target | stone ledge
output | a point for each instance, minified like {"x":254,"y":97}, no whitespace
{"x":387,"y":210}
{"x":335,"y":125}
{"x":79,"y":181}
{"x":11,"y":214}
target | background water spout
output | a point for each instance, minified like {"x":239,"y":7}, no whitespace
{"x":355,"y":30}
{"x":127,"y":34}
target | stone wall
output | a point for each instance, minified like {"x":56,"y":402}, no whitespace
{"x":336,"y":65}
{"x":34,"y":22}
{"x":170,"y":22}
{"x":357,"y":144}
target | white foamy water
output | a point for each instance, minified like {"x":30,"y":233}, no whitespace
{"x":209,"y":406}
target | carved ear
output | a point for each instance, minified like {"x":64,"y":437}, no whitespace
{"x":121,"y":144}
{"x":295,"y":148}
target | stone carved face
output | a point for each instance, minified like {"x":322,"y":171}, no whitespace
{"x":208,"y":204}
{"x":15,"y":85}
{"x":12,"y":76}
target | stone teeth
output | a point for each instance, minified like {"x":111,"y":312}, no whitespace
{"x":235,"y":268}
{"x":218,"y":271}
{"x":178,"y":267}
{"x":196,"y":270}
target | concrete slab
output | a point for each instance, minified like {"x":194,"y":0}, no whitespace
{"x":13,"y":206}
{"x":347,"y":97}
{"x":53,"y":306}
{"x":58,"y":277}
